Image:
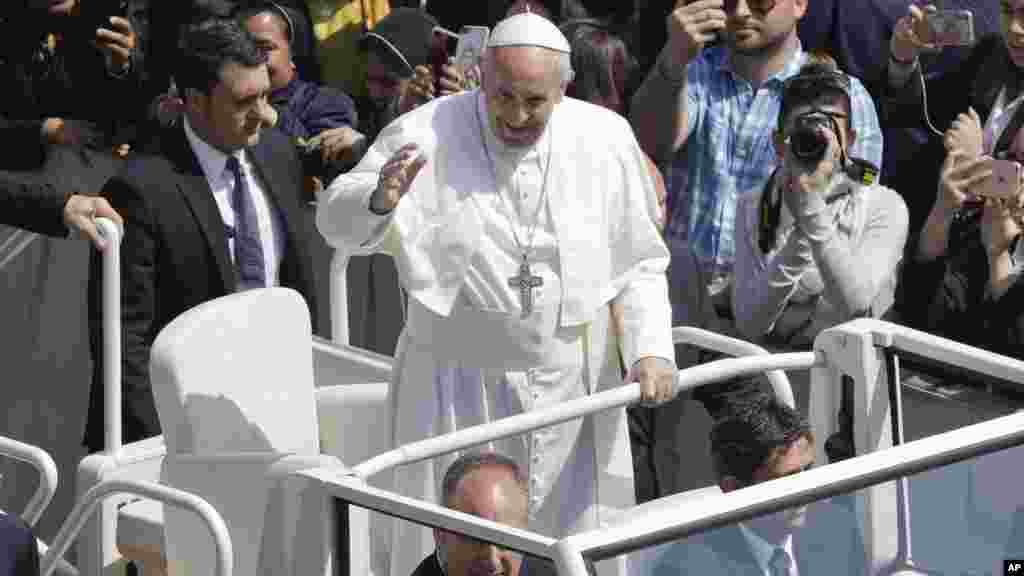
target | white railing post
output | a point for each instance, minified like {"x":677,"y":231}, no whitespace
{"x":44,"y":464}
{"x":339,"y":296}
{"x":111,"y":335}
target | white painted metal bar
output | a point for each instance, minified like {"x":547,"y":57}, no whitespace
{"x":887,"y":334}
{"x":356,"y":492}
{"x":339,"y":296}
{"x":709,"y":340}
{"x":88,"y":503}
{"x":14,"y":245}
{"x":353,"y":354}
{"x":674,"y":522}
{"x":111,"y":335}
{"x":44,"y":464}
{"x":565,"y":411}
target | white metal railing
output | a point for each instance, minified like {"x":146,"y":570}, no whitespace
{"x":14,"y":245}
{"x":88,"y":503}
{"x":111,"y":335}
{"x":618,"y":397}
{"x":902,"y":338}
{"x":709,"y":340}
{"x":44,"y":464}
{"x":660,"y":525}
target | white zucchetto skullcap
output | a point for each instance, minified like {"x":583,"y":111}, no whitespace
{"x":528,"y":29}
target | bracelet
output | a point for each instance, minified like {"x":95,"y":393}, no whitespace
{"x":675,"y":82}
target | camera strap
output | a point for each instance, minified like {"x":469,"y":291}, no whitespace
{"x":769,"y":214}
{"x":1010,"y":132}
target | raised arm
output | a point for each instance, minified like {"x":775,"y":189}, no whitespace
{"x":659,"y":109}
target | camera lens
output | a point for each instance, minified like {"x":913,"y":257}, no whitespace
{"x":807,"y":141}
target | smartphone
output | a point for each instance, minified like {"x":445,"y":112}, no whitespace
{"x":1004,"y":182}
{"x":445,"y":43}
{"x":951,"y":27}
{"x":471,"y":45}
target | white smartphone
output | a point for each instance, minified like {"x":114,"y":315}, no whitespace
{"x":1004,"y":182}
{"x":951,"y":27}
{"x":472,"y":42}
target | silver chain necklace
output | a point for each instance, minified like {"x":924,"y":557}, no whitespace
{"x":524,"y":281}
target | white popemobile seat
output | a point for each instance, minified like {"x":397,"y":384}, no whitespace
{"x":233,"y":384}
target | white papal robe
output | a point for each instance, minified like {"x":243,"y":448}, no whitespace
{"x":466,"y":356}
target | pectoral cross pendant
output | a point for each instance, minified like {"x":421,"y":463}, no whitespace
{"x":525,"y":281}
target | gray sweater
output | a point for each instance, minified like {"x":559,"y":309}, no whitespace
{"x":831,"y":262}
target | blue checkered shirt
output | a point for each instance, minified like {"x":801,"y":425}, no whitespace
{"x":729,"y":151}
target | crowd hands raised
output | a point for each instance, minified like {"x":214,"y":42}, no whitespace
{"x":767,"y":242}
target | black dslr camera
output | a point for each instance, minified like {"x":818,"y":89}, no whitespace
{"x":807,"y":140}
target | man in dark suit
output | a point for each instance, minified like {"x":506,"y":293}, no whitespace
{"x":491,"y":486}
{"x":758,"y":440}
{"x":214,"y":209}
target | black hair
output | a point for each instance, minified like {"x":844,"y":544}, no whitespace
{"x":752,"y":432}
{"x":472,"y":461}
{"x":819,"y":65}
{"x":601,"y":62}
{"x":208,"y":46}
{"x":257,"y":7}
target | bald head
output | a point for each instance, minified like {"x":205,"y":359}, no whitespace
{"x":488,"y":486}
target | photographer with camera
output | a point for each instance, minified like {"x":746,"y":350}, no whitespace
{"x":820,"y":243}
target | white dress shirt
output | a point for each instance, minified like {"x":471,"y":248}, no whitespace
{"x":763,"y":551}
{"x":222,"y":183}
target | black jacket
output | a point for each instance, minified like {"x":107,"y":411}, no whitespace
{"x":71,"y":81}
{"x":174,"y":256}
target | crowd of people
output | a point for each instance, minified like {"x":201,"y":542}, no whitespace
{"x":528,"y":227}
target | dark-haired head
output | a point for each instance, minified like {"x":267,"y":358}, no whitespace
{"x":757,"y":439}
{"x":222,"y":75}
{"x":601,"y":62}
{"x":272,"y":27}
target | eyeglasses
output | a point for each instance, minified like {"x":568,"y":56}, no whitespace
{"x":761,"y":7}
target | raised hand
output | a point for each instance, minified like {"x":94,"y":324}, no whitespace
{"x":691,"y":26}
{"x":965,"y":134}
{"x":396,"y":176}
{"x":911,"y":35}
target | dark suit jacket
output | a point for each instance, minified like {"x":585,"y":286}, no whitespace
{"x":174,"y":256}
{"x":532,"y":566}
{"x":830,"y":543}
{"x":18,"y":552}
{"x":28,"y":202}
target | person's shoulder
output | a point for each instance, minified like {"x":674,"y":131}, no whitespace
{"x":694,"y":555}
{"x":595,"y":127}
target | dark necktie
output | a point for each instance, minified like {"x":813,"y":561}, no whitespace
{"x":248,"y":250}
{"x":780,"y":565}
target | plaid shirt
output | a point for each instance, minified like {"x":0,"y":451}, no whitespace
{"x":729,"y":151}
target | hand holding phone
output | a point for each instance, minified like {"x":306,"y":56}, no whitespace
{"x":442,"y":51}
{"x":1004,"y":182}
{"x":951,"y":27}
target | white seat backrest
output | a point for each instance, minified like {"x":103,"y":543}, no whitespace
{"x":235,"y":374}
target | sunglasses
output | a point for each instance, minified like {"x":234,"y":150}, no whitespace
{"x":761,"y":7}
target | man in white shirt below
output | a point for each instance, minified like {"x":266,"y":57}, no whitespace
{"x":214,"y":209}
{"x":515,"y":216}
{"x":757,"y":440}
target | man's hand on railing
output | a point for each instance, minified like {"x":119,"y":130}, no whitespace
{"x":656,"y":377}
{"x":80,"y":213}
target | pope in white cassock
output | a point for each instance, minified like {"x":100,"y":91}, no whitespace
{"x":515,"y":217}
